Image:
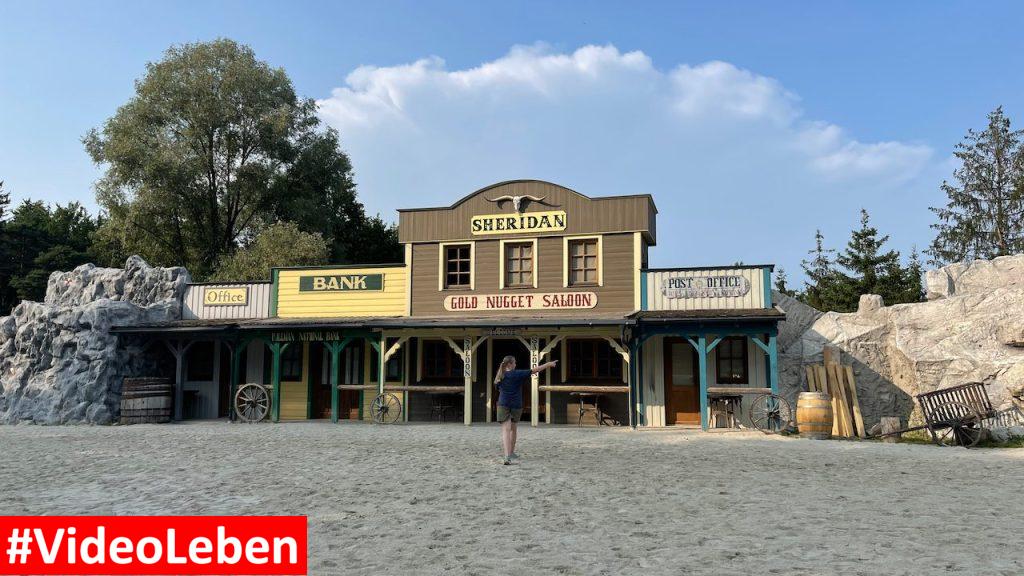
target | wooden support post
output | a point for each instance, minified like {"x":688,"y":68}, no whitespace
{"x":702,"y":366}
{"x":237,"y":347}
{"x":467,"y":374}
{"x":178,"y":349}
{"x":633,"y":385}
{"x":335,"y":348}
{"x":773,"y":363}
{"x":490,"y":384}
{"x":276,"y":349}
{"x":534,"y":382}
{"x":382,"y":351}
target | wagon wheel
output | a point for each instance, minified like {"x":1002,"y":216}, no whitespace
{"x":956,"y":424}
{"x":386,"y":408}
{"x":252,"y":403}
{"x":770,"y":413}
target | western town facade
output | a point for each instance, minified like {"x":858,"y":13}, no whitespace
{"x":523,"y":268}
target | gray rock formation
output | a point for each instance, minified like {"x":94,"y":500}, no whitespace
{"x":58,"y":361}
{"x":970,"y":330}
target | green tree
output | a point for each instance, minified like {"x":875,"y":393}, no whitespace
{"x":868,"y":267}
{"x":781,"y":282}
{"x":281,"y":244}
{"x":37,"y":240}
{"x":984,"y":214}
{"x":821,"y":286}
{"x":213,"y":143}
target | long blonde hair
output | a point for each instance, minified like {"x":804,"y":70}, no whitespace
{"x":503,"y":368}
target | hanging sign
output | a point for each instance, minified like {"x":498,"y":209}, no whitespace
{"x":226,"y":296}
{"x":725,"y":286}
{"x":542,"y":301}
{"x":516,"y":223}
{"x":341,"y":283}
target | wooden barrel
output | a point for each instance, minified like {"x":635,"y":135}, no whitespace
{"x":145,"y":400}
{"x":814,"y":415}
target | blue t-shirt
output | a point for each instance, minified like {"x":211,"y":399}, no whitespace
{"x":511,"y":389}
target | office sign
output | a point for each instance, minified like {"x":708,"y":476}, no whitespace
{"x":722,"y":286}
{"x":341,"y":283}
{"x":226,"y":296}
{"x":537,"y":301}
{"x":517,"y":223}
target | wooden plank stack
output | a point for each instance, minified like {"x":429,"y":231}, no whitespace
{"x":838,"y":381}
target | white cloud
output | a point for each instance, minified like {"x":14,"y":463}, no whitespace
{"x":736,"y":169}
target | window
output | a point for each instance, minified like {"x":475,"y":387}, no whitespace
{"x":519,"y":264}
{"x":593,"y":359}
{"x":583,"y":262}
{"x":393,"y":368}
{"x":457,"y":266}
{"x":440,"y":361}
{"x":731,"y":354}
{"x":291,"y":363}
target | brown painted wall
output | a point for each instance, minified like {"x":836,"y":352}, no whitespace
{"x":584,"y":215}
{"x":614,"y":297}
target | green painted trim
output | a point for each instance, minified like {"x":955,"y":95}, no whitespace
{"x":702,"y":357}
{"x":643,"y":290}
{"x":306,"y":362}
{"x":275,"y":378}
{"x":773,"y":363}
{"x":767,"y":287}
{"x":275,"y":285}
{"x":340,"y":266}
{"x":760,"y":344}
{"x":236,"y":360}
{"x":715,"y":343}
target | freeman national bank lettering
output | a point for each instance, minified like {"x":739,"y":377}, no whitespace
{"x":525,"y":268}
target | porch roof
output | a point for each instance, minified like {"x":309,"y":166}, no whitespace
{"x":667,"y":316}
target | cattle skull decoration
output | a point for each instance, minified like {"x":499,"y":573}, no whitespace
{"x":519,"y":203}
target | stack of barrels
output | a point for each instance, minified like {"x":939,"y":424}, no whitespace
{"x":145,"y":401}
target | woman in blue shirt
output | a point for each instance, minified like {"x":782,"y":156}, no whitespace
{"x":510,"y":400}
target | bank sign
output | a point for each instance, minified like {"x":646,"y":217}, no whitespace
{"x":553,"y":221}
{"x":226,"y":296}
{"x":724,"y":286}
{"x":543,"y":301}
{"x":341,"y":283}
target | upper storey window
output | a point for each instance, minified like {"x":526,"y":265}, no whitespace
{"x":583,"y":262}
{"x":520,"y":258}
{"x":458,"y":263}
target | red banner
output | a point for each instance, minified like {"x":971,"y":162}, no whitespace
{"x":153,"y":545}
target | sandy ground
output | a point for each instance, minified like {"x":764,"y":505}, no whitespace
{"x":434,"y":499}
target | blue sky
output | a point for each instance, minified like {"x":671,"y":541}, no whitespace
{"x":751,"y":123}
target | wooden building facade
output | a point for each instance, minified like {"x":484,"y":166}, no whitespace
{"x":523,"y":268}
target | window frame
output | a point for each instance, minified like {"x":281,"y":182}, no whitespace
{"x":503,"y":261}
{"x":286,"y":360}
{"x":442,"y":266}
{"x":454,"y":362}
{"x":614,"y":360}
{"x":744,"y":359}
{"x":567,"y":242}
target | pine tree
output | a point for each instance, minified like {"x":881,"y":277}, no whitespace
{"x":780,"y":282}
{"x":984,"y":216}
{"x":870,"y":268}
{"x":820,"y":287}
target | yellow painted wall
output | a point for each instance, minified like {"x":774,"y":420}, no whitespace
{"x":295,"y":395}
{"x":391,"y":301}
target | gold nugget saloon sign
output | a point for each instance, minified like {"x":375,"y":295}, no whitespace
{"x":515,"y":223}
{"x":341,"y":283}
{"x":538,"y":301}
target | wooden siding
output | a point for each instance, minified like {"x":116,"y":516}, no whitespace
{"x":754,"y":298}
{"x":583,"y":215}
{"x":614,"y":296}
{"x":258,"y":305}
{"x":391,"y":301}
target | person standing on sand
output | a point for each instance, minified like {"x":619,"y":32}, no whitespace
{"x":510,"y":401}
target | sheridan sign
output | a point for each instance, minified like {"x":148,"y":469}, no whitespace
{"x":515,"y":223}
{"x":542,"y":301}
{"x":341,"y":283}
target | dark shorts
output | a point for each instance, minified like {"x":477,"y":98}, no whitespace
{"x":504,"y":413}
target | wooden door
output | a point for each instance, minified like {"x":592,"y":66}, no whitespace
{"x":294,"y":375}
{"x":682,"y":384}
